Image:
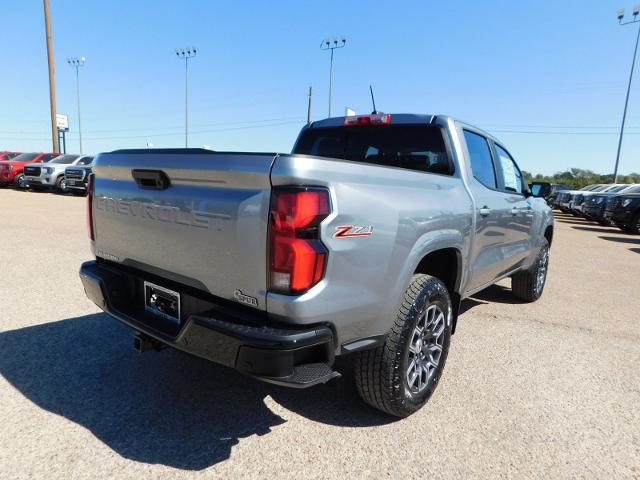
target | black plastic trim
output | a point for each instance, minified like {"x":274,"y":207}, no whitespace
{"x":218,"y":335}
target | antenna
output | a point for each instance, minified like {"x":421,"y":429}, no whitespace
{"x":373,"y":100}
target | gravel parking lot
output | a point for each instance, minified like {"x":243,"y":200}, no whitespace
{"x":549,"y":389}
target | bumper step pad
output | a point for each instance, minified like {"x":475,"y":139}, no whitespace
{"x":305,"y":375}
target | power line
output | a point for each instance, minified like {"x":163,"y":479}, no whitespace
{"x":177,"y":127}
{"x":171,"y":134}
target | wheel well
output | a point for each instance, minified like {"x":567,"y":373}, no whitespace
{"x":548,"y":234}
{"x":444,"y":265}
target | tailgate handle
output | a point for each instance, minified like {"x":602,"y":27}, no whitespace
{"x":151,"y":179}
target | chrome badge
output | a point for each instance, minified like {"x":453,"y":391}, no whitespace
{"x":246,"y":299}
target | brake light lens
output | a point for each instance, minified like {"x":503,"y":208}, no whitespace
{"x":90,"y":182}
{"x":373,"y":119}
{"x":297,"y":257}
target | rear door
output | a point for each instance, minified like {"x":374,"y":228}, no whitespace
{"x":487,"y":255}
{"x":198,"y":218}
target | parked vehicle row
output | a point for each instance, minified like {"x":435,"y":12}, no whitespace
{"x":40,"y":170}
{"x":607,"y":204}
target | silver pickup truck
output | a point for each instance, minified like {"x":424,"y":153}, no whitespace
{"x":363,"y":241}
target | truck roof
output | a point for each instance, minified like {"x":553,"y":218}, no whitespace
{"x":400,"y":119}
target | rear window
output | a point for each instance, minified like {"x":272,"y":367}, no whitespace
{"x":414,"y":147}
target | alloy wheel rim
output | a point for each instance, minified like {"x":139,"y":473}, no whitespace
{"x":543,"y":264}
{"x":425,"y":348}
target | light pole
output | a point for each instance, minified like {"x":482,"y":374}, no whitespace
{"x":78,"y":62}
{"x":186,"y":53}
{"x":332,"y":44}
{"x":636,"y":12}
{"x":52,"y":82}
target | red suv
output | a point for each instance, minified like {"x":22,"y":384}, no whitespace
{"x":8,"y":155}
{"x":11,"y":170}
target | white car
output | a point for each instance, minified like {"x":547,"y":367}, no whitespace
{"x":51,"y":175}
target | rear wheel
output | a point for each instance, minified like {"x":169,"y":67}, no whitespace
{"x":400,"y":376}
{"x":528,"y":284}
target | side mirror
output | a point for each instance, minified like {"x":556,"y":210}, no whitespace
{"x":540,"y":190}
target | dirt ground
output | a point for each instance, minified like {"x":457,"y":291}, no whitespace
{"x":543,"y":390}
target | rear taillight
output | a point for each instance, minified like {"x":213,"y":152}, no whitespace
{"x":90,"y":182}
{"x":373,"y":119}
{"x":297,"y":257}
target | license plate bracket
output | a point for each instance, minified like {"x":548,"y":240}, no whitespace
{"x":162,"y":302}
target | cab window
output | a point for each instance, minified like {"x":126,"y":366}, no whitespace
{"x":481,"y":161}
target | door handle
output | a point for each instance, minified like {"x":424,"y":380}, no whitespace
{"x":514,"y":211}
{"x":485,"y":211}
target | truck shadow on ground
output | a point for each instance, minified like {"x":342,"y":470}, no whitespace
{"x":602,"y":229}
{"x":493,"y":294}
{"x":161,"y":407}
{"x":573,"y":220}
{"x":627,"y":239}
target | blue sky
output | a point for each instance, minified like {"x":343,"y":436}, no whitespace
{"x":546,"y":77}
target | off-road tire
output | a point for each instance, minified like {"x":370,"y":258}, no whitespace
{"x":381,"y":373}
{"x":525,"y":284}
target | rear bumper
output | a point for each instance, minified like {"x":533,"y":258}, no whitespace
{"x":292,"y":357}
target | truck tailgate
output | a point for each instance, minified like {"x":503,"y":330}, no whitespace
{"x":208,"y":228}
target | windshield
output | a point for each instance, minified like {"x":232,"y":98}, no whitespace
{"x":617,"y":188}
{"x":25,"y":157}
{"x":65,"y":159}
{"x":600,"y":188}
{"x":416,"y":147}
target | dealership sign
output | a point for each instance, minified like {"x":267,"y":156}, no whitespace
{"x":62,"y":122}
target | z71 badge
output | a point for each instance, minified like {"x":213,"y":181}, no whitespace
{"x":345,"y":231}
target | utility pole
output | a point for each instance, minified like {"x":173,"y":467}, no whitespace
{"x":332,"y":44}
{"x":309,"y":107}
{"x":186,"y":53}
{"x":636,"y":12}
{"x":52,"y":82}
{"x":77,"y":63}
